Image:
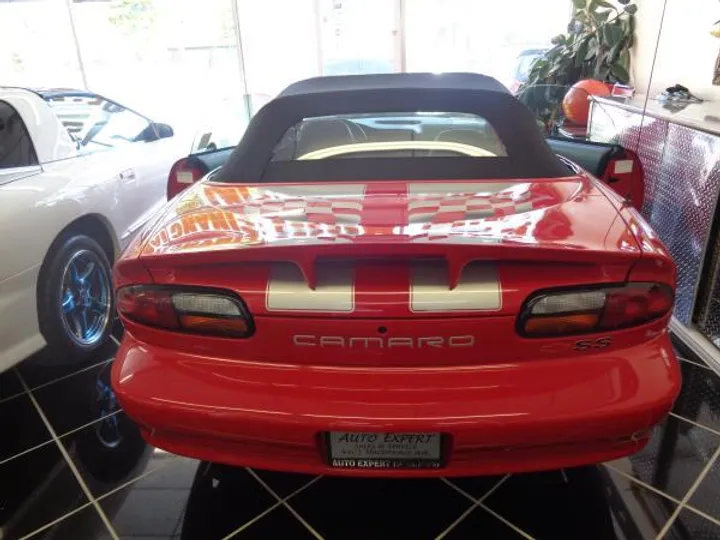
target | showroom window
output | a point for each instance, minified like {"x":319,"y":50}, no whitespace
{"x":390,"y":135}
{"x":96,"y":123}
{"x":16,"y":149}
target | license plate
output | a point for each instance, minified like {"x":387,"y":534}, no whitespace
{"x":363,"y":450}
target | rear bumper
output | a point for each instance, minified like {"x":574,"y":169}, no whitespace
{"x":497,"y":418}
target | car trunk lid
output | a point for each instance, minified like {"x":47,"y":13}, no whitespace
{"x":388,"y":273}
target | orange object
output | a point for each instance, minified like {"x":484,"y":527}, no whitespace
{"x":575,"y":103}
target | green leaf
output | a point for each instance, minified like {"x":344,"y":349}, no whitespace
{"x":592,"y":49}
{"x":613,"y":35}
{"x":631,"y":9}
{"x":581,"y":52}
{"x":620,"y":72}
{"x":615,"y":51}
{"x":624,"y":59}
{"x":579,"y":4}
{"x":630,"y":32}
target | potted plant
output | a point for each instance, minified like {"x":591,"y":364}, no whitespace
{"x":597,"y":45}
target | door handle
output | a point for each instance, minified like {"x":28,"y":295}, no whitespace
{"x":128,"y":176}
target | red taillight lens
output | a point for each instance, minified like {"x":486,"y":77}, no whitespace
{"x":580,"y":311}
{"x":183,"y":174}
{"x":193,"y":310}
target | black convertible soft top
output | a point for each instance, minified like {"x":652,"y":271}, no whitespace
{"x":528,"y":154}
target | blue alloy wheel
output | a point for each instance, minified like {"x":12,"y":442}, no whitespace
{"x":108,"y":428}
{"x":85,"y":298}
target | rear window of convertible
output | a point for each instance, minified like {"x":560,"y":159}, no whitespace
{"x":389,"y":135}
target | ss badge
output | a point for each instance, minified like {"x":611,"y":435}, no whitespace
{"x":586,"y":344}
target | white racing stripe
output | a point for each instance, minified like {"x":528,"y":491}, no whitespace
{"x":453,"y":188}
{"x":288,"y":291}
{"x":348,"y":191}
{"x":478,"y":290}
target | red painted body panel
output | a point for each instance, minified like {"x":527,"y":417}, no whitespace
{"x":526,"y":415}
{"x":393,"y":307}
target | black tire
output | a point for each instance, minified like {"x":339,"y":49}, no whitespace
{"x":62,"y":346}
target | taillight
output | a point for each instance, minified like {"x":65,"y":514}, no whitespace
{"x":183,"y":174}
{"x":195,"y":310}
{"x":563,"y":312}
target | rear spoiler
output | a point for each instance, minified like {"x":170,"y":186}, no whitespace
{"x":457,"y":255}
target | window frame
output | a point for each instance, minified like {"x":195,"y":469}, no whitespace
{"x":26,"y":132}
{"x":48,"y":98}
{"x":398,"y":121}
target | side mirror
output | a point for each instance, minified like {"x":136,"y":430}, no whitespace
{"x":162,"y":131}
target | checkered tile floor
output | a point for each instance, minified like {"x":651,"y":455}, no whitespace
{"x":72,"y":466}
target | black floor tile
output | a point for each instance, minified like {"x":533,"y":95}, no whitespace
{"x":691,"y":526}
{"x":707,"y":495}
{"x":139,"y":511}
{"x":77,"y":400}
{"x":637,"y":513}
{"x":676,"y":454}
{"x":278,"y":523}
{"x":9,"y":385}
{"x":111,"y":452}
{"x":85,"y":524}
{"x":479,"y":524}
{"x":35,"y":489}
{"x":699,"y":400}
{"x":221,"y":500}
{"x":476,"y":486}
{"x":348,"y":508}
{"x":553,"y":506}
{"x":22,"y":427}
{"x":283,"y":484}
{"x":46,"y":366}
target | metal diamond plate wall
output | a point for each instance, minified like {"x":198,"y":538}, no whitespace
{"x":682,"y":205}
{"x":649,"y":144}
{"x":708,"y":312}
{"x":682,"y":180}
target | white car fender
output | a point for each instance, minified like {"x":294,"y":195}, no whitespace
{"x":57,"y":197}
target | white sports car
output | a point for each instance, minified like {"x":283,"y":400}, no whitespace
{"x":79,"y":175}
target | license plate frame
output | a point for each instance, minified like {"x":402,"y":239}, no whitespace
{"x":390,"y":460}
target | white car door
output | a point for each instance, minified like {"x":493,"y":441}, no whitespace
{"x":124,"y":145}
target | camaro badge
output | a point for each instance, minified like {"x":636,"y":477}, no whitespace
{"x":375,"y":342}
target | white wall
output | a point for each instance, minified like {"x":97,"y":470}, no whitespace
{"x":686,"y":52}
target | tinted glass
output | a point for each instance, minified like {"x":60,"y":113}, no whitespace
{"x":390,"y":135}
{"x":96,"y":123}
{"x":16,"y":149}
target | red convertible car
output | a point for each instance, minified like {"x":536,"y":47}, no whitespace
{"x":395,"y":275}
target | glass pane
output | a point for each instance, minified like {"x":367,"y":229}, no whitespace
{"x":175,"y":61}
{"x":280,"y":45}
{"x":97,"y":124}
{"x":36,"y":45}
{"x":16,"y":149}
{"x":390,"y":135}
{"x":498,"y":39}
{"x":357,"y":36}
